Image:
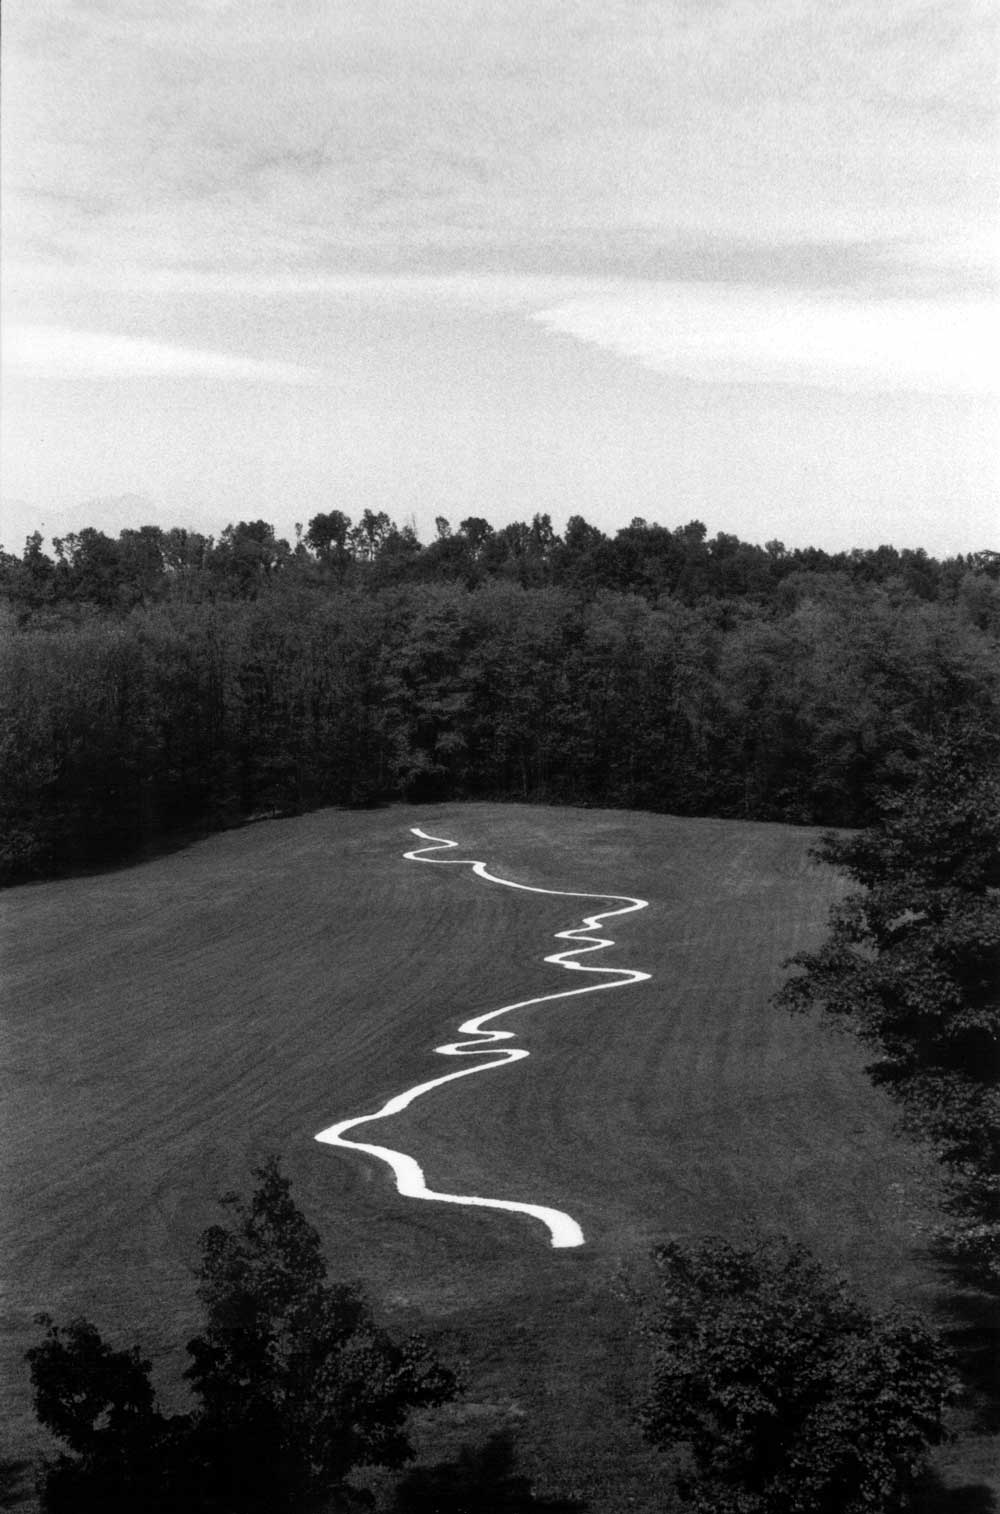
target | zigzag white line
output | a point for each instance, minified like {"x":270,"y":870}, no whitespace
{"x":563,"y":1230}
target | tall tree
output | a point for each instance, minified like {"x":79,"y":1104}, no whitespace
{"x":912,"y":966}
{"x":247,"y":555}
{"x":369,"y":535}
{"x":297,"y":1382}
{"x":327,"y":536}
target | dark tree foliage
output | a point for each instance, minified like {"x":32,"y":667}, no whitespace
{"x":83,"y":1388}
{"x":247,"y":556}
{"x":327,"y":536}
{"x":100,"y":1402}
{"x":912,"y":966}
{"x":295,"y":1384}
{"x":777,"y":1392}
{"x":164,"y":682}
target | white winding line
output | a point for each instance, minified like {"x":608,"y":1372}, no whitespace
{"x":409,"y":1177}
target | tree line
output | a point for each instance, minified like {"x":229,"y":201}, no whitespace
{"x":164,"y":683}
{"x":149,"y":562}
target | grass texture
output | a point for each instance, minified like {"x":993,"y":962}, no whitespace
{"x":170,"y":1024}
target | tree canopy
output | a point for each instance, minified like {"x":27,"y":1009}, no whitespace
{"x":775,"y":1391}
{"x":912,"y":965}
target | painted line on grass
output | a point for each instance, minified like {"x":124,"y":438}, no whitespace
{"x":410,"y":1182}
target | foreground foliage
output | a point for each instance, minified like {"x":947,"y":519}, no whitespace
{"x":776,"y":1392}
{"x":295,"y":1382}
{"x":912,"y":966}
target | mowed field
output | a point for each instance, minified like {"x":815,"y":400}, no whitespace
{"x":168,"y":1025}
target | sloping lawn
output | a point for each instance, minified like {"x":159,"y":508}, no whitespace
{"x":169,"y":1024}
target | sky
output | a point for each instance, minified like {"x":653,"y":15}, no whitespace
{"x":733,"y":260}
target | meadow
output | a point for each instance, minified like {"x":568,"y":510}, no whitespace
{"x":170,"y":1024}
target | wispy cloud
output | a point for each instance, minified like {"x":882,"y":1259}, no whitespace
{"x":265,"y":136}
{"x":721,"y":332}
{"x":731,"y":334}
{"x":549,"y":271}
{"x":59,"y":352}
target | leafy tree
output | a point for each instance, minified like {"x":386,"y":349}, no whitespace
{"x":397,"y":551}
{"x":247,"y":555}
{"x":142,"y":563}
{"x":28,"y":582}
{"x":295,"y":1382}
{"x":912,"y":966}
{"x":298,"y":1384}
{"x":477,"y":532}
{"x":100,"y":1402}
{"x":89,"y":566}
{"x":581,"y":559}
{"x":83,"y":1388}
{"x":185,"y":553}
{"x":327,"y":536}
{"x":368,"y":537}
{"x":426,"y":697}
{"x":776,"y":1391}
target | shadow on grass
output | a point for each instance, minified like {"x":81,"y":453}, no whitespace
{"x":167,"y":843}
{"x":933,"y":1496}
{"x":17,"y":1482}
{"x":970,"y":1325}
{"x":976,"y":1347}
{"x":482,"y":1480}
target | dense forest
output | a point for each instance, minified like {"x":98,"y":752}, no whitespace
{"x":164,"y":681}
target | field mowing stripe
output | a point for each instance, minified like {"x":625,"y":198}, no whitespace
{"x":410,"y":1182}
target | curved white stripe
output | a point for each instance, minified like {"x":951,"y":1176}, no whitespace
{"x":410,"y":1182}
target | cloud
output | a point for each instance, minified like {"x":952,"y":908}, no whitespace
{"x":726,"y":331}
{"x":730,"y":334}
{"x":266,"y":134}
{"x":60,"y":352}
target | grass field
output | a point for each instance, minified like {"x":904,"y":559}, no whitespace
{"x":169,"y":1024}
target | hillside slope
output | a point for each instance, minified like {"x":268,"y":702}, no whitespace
{"x":169,"y":1024}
